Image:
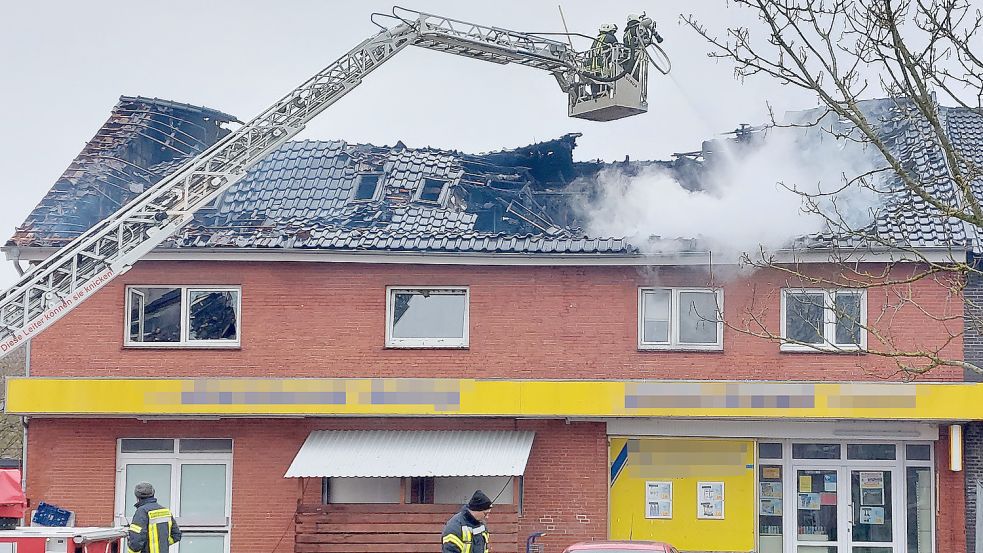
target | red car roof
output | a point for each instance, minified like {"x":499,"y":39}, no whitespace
{"x":659,"y":546}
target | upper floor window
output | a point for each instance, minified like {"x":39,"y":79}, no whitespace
{"x":680,"y":318}
{"x":367,"y":187}
{"x":831,"y":320}
{"x":182,"y":315}
{"x":427,"y":317}
{"x":432,"y":190}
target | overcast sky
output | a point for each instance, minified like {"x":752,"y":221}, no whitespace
{"x":65,"y":64}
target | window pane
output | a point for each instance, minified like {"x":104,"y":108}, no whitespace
{"x":161,"y":321}
{"x":158,"y":475}
{"x":919,"y":499}
{"x":918,"y":452}
{"x":698,"y":317}
{"x":203,"y":494}
{"x":873,"y":509}
{"x":770,"y":507}
{"x":428,"y":315}
{"x":804,"y":317}
{"x":816,"y":505}
{"x":143,"y":445}
{"x":212,"y":315}
{"x":137,"y":308}
{"x":871,"y":451}
{"x":848,"y":318}
{"x":769,"y":451}
{"x":202,"y":543}
{"x":205,"y":445}
{"x":366,"y":187}
{"x":655,"y":316}
{"x":431,"y":190}
{"x":815,"y":451}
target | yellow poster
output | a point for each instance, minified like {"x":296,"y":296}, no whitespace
{"x":805,"y":483}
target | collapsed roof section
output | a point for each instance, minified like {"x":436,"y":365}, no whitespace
{"x":143,"y":140}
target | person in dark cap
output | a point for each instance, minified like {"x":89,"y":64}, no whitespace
{"x":153,"y":529}
{"x":465,"y":532}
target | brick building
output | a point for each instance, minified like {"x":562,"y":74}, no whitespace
{"x":356,"y":337}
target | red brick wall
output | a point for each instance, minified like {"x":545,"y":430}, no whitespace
{"x":72,"y":464}
{"x":328,"y":320}
{"x":950,"y":523}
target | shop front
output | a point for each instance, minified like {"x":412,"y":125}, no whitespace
{"x":808,"y":490}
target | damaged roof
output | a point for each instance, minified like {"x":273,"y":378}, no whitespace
{"x":325,"y":194}
{"x":333,"y":195}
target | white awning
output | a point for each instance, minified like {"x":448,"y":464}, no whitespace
{"x":394,"y":453}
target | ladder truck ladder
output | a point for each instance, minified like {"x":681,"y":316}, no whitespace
{"x":55,"y":286}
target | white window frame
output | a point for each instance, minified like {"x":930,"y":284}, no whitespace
{"x":184,"y":341}
{"x":674,"y":343}
{"x":829,"y":321}
{"x":175,"y":459}
{"x":418,"y":196}
{"x":450,"y":343}
{"x":378,"y":186}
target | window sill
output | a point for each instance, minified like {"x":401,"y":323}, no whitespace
{"x":682,"y":348}
{"x":822,"y":350}
{"x":426,"y":346}
{"x":236,"y":346}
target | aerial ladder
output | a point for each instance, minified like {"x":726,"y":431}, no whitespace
{"x":602,"y":84}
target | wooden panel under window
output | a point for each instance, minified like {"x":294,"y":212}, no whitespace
{"x":351,"y":528}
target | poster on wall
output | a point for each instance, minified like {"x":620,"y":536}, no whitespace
{"x":710,"y":500}
{"x":658,"y":500}
{"x":872,"y":488}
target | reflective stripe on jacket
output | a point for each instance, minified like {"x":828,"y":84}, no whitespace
{"x":464,"y":534}
{"x":153,"y":529}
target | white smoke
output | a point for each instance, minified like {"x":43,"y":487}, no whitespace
{"x":752,"y":197}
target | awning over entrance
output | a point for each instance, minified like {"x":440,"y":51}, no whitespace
{"x":392,"y":453}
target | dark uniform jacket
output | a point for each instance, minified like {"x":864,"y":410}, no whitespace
{"x":464,"y":534}
{"x":152,"y":529}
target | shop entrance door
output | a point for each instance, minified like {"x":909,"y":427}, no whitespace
{"x":872,"y":510}
{"x":858,"y":516}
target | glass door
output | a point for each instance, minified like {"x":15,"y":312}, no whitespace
{"x":817,"y":510}
{"x":872,"y":519}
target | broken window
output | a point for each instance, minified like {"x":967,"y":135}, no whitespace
{"x":427,"y":317}
{"x":431,"y":190}
{"x":182,"y":316}
{"x":674,"y":318}
{"x":367,"y":187}
{"x":823,"y":319}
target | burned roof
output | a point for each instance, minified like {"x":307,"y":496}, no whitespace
{"x":324,"y":194}
{"x":143,"y":140}
{"x":334,"y":195}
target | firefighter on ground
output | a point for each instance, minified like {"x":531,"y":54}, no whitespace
{"x":153,"y":529}
{"x":465,"y":532}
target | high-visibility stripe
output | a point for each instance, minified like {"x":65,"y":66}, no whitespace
{"x":128,"y":550}
{"x":135,"y":528}
{"x":170,"y":536}
{"x":153,"y":539}
{"x":455,"y":540}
